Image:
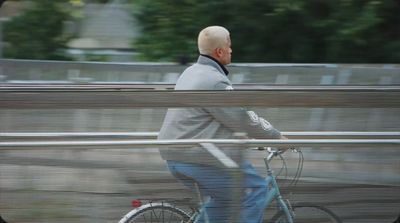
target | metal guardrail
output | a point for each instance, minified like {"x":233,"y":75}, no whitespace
{"x":139,"y":86}
{"x":93,"y":86}
{"x":270,"y":96}
{"x":68,"y":72}
{"x":129,"y":65}
{"x":153,"y":135}
{"x":322,"y":139}
{"x":51,"y":64}
{"x":191,"y":142}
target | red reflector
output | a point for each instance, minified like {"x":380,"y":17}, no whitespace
{"x":136,"y":203}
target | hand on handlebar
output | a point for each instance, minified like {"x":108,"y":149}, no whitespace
{"x":284,"y":148}
{"x":280,"y":149}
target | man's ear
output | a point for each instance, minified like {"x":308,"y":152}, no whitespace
{"x":219,"y":52}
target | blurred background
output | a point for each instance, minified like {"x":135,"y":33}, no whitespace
{"x":305,"y":31}
{"x":143,"y":43}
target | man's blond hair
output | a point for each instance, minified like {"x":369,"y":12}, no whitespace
{"x":211,"y":38}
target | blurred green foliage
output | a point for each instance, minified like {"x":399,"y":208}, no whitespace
{"x":37,"y":33}
{"x":312,"y":31}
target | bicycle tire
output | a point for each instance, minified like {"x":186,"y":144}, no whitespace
{"x":156,"y":213}
{"x":308,"y":212}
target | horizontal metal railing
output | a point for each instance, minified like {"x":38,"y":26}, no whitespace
{"x":93,"y":86}
{"x":138,"y":86}
{"x":86,"y":144}
{"x":119,"y":65}
{"x":69,"y":72}
{"x":273,"y":96}
{"x":153,"y":135}
{"x":112,"y":66}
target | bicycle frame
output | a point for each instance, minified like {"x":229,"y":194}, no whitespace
{"x":285,"y":209}
{"x":274,"y":192}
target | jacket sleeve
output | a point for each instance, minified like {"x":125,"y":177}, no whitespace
{"x":242,"y":120}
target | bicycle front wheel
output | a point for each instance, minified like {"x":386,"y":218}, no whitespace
{"x":308,"y":213}
{"x":156,"y":213}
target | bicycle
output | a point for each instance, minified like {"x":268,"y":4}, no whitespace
{"x":287,"y":212}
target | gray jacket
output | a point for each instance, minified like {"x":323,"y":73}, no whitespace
{"x":208,"y":123}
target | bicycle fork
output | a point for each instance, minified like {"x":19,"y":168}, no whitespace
{"x":283,"y":205}
{"x":286,"y":207}
{"x":202,"y":211}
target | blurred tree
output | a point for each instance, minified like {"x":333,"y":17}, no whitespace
{"x":168,"y":29}
{"x":36,"y":34}
{"x":340,"y":31}
{"x":365,"y":32}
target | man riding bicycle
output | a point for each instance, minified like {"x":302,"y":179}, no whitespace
{"x":214,"y":181}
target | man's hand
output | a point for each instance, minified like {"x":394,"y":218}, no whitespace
{"x":284,"y":148}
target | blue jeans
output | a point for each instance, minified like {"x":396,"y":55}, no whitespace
{"x":219,"y":184}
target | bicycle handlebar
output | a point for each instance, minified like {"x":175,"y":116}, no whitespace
{"x":274,"y":152}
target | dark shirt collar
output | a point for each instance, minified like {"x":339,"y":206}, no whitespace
{"x":226,"y":72}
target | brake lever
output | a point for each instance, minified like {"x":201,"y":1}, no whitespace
{"x":275,"y":151}
{"x":271,"y":150}
{"x":295,"y":150}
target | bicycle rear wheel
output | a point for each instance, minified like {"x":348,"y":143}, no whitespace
{"x":308,"y":213}
{"x":156,"y":213}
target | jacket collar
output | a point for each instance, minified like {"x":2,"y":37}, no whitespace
{"x":207,"y":60}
